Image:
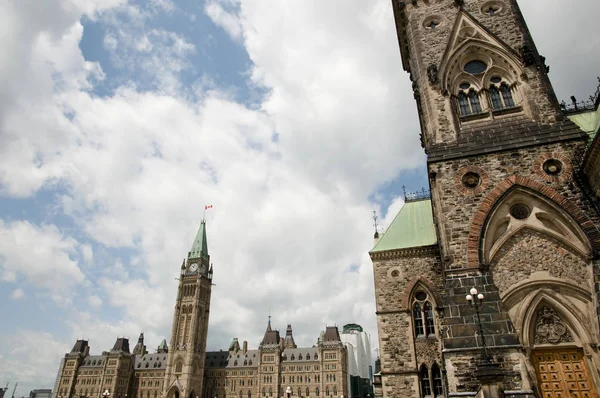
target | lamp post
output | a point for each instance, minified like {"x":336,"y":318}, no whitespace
{"x":288,"y":391}
{"x":476,"y":300}
{"x":106,"y":393}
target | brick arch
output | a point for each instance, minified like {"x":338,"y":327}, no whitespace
{"x":421,"y":280}
{"x":503,"y":187}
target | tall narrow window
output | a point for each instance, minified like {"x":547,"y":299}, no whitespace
{"x":307,"y":392}
{"x":425,"y":385}
{"x":495,"y":97}
{"x":418,"y":318}
{"x":429,"y":326}
{"x":474,"y":100}
{"x":317,"y":392}
{"x":436,"y":375}
{"x":463,"y":104}
{"x":507,"y":95}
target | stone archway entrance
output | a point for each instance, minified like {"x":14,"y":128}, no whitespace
{"x":563,"y":373}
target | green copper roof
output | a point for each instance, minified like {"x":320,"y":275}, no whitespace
{"x":200,"y":247}
{"x":412,"y":227}
{"x":588,"y":121}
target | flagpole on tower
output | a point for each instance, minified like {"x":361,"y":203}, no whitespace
{"x":205,"y":208}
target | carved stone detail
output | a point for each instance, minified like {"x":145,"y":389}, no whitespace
{"x":549,"y":328}
{"x":428,"y":350}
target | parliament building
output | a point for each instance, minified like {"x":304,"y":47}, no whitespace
{"x":334,"y":366}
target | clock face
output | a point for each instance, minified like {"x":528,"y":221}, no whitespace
{"x":194,"y":267}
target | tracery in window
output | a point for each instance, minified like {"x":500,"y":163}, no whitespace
{"x":423,"y":316}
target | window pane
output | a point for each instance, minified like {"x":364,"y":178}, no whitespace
{"x":475,"y":67}
{"x":418,"y":319}
{"x":495,"y":97}
{"x":463,"y":104}
{"x":429,"y":322}
{"x":425,"y":386}
{"x":438,"y":389}
{"x":474,"y":99}
{"x":507,"y":96}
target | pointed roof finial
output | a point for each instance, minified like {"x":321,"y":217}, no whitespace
{"x":376,"y":235}
{"x":200,"y":246}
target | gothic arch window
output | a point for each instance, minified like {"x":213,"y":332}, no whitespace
{"x":317,"y":392}
{"x":436,"y":378}
{"x":307,"y":392}
{"x":425,"y":382}
{"x":523,"y":209}
{"x":179,"y":366}
{"x":422,"y":313}
{"x":480,"y":75}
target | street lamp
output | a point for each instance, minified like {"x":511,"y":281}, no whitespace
{"x":106,"y":393}
{"x":476,"y":300}
{"x":288,"y":391}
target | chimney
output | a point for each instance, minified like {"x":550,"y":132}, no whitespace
{"x":245,"y":347}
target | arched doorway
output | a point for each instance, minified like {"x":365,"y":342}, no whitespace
{"x":560,"y":364}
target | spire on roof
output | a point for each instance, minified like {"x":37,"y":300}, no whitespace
{"x":271,"y":336}
{"x":200,"y":247}
{"x":289,"y":338}
{"x":162,"y":347}
{"x":140,"y":348}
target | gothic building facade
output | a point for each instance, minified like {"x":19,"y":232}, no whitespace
{"x":184,"y":369}
{"x":513,"y":212}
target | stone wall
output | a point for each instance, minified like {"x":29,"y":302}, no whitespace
{"x":458,"y":208}
{"x":396,"y":276}
{"x":529,"y":251}
{"x":429,"y":46}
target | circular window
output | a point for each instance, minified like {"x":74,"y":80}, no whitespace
{"x":553,"y":167}
{"x":491,"y":8}
{"x":395,"y":273}
{"x":475,"y":67}
{"x":432,"y":22}
{"x":421,"y":296}
{"x":496,"y":79}
{"x":464,"y":86}
{"x":520,"y":211}
{"x":471,"y":180}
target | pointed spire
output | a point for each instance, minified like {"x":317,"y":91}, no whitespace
{"x":200,"y":247}
{"x":183,"y":264}
{"x":289,"y":338}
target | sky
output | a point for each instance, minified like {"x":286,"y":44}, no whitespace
{"x":121,"y":119}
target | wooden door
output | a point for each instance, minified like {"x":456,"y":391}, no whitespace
{"x":563,"y":374}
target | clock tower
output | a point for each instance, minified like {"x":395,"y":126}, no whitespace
{"x":185,"y":363}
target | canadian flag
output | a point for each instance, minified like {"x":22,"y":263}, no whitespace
{"x":208,"y":207}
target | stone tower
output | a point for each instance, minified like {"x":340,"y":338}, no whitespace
{"x":186,"y":355}
{"x":511,"y":212}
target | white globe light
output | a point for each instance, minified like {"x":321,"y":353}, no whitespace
{"x":473,"y":291}
{"x":480,"y":296}
{"x":469,"y":297}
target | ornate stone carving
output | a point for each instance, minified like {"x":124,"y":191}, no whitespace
{"x":428,"y":350}
{"x":549,"y":328}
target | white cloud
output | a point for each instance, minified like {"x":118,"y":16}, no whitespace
{"x":42,"y":255}
{"x":17,"y":294}
{"x":289,"y":179}
{"x":31,"y":357}
{"x":225,"y":19}
{"x":94,"y":301}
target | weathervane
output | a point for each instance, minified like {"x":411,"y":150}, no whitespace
{"x":375,"y":224}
